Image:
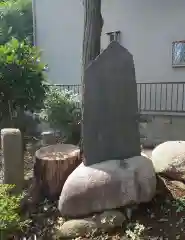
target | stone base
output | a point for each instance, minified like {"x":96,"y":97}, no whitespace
{"x":104,"y":222}
{"x":107,"y":185}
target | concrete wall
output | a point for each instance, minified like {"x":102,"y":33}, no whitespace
{"x":148,"y":28}
{"x":160,"y":128}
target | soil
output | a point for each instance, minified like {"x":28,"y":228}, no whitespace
{"x":162,"y":218}
{"x":159,"y":217}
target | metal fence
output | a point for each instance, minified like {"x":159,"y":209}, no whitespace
{"x":161,"y":96}
{"x":152,"y":96}
{"x":76,"y":88}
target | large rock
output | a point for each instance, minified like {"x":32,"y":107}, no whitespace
{"x":107,"y":185}
{"x":82,"y":227}
{"x":109,"y":219}
{"x":75,"y":228}
{"x":169,"y":159}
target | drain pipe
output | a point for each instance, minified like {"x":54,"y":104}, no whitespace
{"x":34,"y":21}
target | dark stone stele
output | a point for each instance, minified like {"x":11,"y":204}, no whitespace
{"x":110,"y":126}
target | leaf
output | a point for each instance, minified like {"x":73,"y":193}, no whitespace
{"x":22,"y":79}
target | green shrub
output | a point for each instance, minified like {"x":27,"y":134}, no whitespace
{"x":62,"y":112}
{"x":16,"y":20}
{"x":10,"y":220}
{"x":22,"y":80}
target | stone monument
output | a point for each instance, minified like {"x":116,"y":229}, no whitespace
{"x":113,"y":174}
{"x":110,"y":126}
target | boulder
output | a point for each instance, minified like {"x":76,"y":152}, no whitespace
{"x":110,"y":219}
{"x":107,"y":185}
{"x":169,"y":159}
{"x":178,"y":184}
{"x":83,"y":227}
{"x":75,"y":228}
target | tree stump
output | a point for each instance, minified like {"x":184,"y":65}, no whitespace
{"x":53,"y":164}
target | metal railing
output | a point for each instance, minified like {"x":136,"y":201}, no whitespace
{"x":161,"y":97}
{"x":76,"y":88}
{"x":152,"y":96}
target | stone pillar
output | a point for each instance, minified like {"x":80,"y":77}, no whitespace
{"x":48,"y":138}
{"x":13,"y":161}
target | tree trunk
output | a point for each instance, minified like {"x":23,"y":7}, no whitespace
{"x":53,"y":164}
{"x":93,"y":23}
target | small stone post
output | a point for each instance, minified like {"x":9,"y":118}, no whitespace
{"x":13,"y":162}
{"x":48,"y":138}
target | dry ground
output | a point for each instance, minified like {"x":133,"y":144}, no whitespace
{"x":163,"y":218}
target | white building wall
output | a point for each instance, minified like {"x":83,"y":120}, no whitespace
{"x":148,"y":28}
{"x":59,"y":28}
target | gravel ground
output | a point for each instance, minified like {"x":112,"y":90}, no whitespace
{"x":161,"y":220}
